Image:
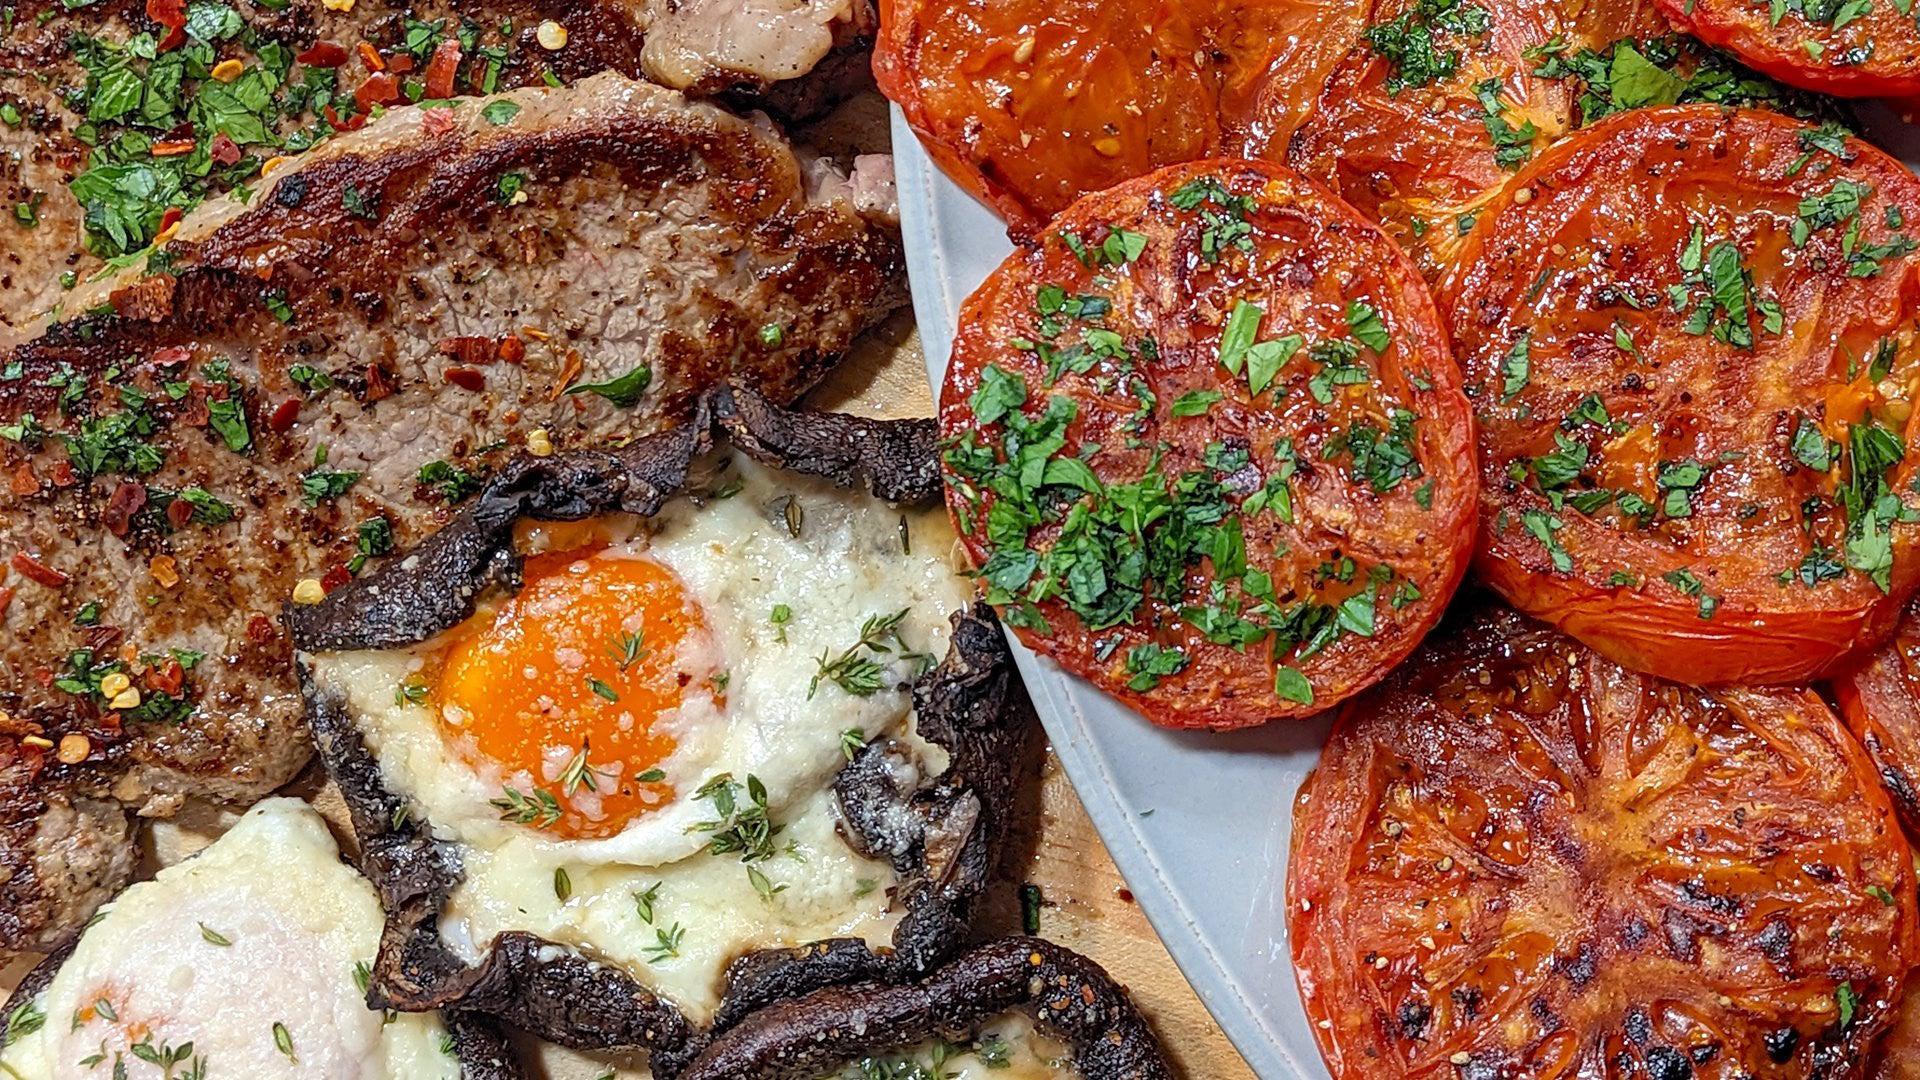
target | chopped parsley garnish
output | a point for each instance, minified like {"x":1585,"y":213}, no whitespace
{"x":1149,"y":663}
{"x":323,"y":485}
{"x":1412,"y":43}
{"x":1511,"y":146}
{"x":1544,"y":528}
{"x":1516,"y":368}
{"x":623,"y":391}
{"x":448,"y":482}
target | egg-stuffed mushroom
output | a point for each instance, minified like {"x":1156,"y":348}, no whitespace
{"x":642,"y":732}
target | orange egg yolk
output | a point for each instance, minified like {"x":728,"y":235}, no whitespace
{"x":565,"y":684}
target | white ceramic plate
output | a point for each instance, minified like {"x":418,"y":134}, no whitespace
{"x":1198,"y":823}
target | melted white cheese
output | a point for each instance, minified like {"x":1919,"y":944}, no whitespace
{"x":248,"y":952}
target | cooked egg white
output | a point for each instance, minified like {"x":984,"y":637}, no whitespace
{"x":712,"y":831}
{"x":242,"y":961}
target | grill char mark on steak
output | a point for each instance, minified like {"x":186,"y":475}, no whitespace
{"x":661,"y":233}
{"x":944,"y":837}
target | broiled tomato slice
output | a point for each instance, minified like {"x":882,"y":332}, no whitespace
{"x":1032,"y":103}
{"x":1689,"y":336}
{"x":1855,"y":48}
{"x":1881,"y":700}
{"x":1518,"y":859}
{"x":1207,"y":448}
{"x":1421,"y":125}
{"x":1424,"y":120}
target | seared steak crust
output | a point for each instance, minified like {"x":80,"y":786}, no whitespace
{"x":759,"y":54}
{"x":318,"y":371}
{"x":944,"y":836}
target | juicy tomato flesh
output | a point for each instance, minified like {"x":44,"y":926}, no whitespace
{"x":1898,"y":1056}
{"x":1207,"y":446}
{"x":1030,"y":105}
{"x":1689,"y":336}
{"x":1881,"y":701}
{"x":1869,"y":48}
{"x":1517,"y":858}
{"x":1421,"y":123}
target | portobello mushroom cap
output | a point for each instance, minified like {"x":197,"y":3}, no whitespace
{"x":1069,"y":996}
{"x":943,"y":837}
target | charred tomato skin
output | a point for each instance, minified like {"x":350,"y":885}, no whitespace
{"x":1030,"y":104}
{"x":1876,"y":55}
{"x":1880,"y":699}
{"x":1593,"y":311}
{"x":1329,"y":511}
{"x":1517,"y":858}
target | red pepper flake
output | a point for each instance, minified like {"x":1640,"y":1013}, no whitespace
{"x":569,"y":371}
{"x":179,"y":512}
{"x":167,"y":678}
{"x":34,"y":570}
{"x":370,"y":57}
{"x":126,"y":501}
{"x":436,"y":121}
{"x":223,"y":149}
{"x":24,"y":482}
{"x":379,"y":383}
{"x":261,"y":630}
{"x":469,"y":350}
{"x":170,"y":356}
{"x":62,"y":474}
{"x":466,"y":378}
{"x":323,"y":54}
{"x":340,"y":123}
{"x":442,"y":68}
{"x":512,"y":349}
{"x":284,"y":416}
{"x":6,"y":599}
{"x":335,"y":577}
{"x":401,"y":64}
{"x":171,"y":14}
{"x":381,"y":89}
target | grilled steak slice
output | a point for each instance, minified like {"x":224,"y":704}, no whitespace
{"x":99,"y":141}
{"x":320,"y":370}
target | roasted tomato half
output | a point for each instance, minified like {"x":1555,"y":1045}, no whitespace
{"x":1518,"y":859}
{"x":1207,"y":448}
{"x":1424,"y":121}
{"x":1855,"y":48}
{"x":1031,"y":104}
{"x":1689,"y":337}
{"x":1881,"y":700}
